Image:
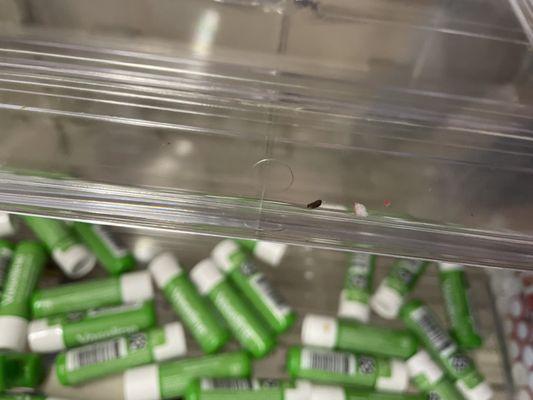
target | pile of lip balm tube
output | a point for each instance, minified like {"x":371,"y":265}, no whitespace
{"x":108,"y":326}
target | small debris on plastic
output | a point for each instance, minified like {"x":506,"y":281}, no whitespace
{"x":360,"y":210}
{"x":314,"y":204}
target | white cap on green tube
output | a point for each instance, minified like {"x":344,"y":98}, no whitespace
{"x":422,"y":364}
{"x":270,"y":252}
{"x":75,"y":261}
{"x":446,"y":266}
{"x":174,"y":345}
{"x":7,"y":227}
{"x":205,"y":275}
{"x":398,"y":381}
{"x":13,"y":333}
{"x":44,"y":338}
{"x":386,"y":302}
{"x":136,"y":287}
{"x":145,"y":249}
{"x":319,"y":331}
{"x":164,"y":268}
{"x":221,"y":254}
{"x":142,"y":383}
{"x":481,"y":391}
{"x":301,"y":391}
{"x":353,"y":309}
{"x":319,"y":392}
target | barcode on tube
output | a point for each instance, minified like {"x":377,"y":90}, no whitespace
{"x":339,"y":363}
{"x":96,"y":353}
{"x":438,"y":337}
{"x":229,"y":384}
{"x":271,"y":295}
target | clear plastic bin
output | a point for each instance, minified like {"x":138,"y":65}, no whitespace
{"x":411,"y":121}
{"x":227,"y":118}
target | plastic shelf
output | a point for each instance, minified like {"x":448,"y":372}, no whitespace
{"x":428,"y":125}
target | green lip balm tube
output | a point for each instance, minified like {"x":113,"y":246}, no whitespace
{"x":172,"y":379}
{"x":187,"y":303}
{"x":20,"y":371}
{"x":116,"y":355}
{"x":428,"y":377}
{"x":354,"y":297}
{"x":421,"y":320}
{"x":114,"y":257}
{"x":393,"y":290}
{"x":354,"y":336}
{"x":455,"y":289}
{"x":74,"y":258}
{"x":247,"y":328}
{"x":346,"y":368}
{"x":133,"y":287}
{"x":245,"y":275}
{"x":22,"y":277}
{"x":77,"y":329}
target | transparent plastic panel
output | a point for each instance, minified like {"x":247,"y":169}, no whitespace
{"x":524,"y":13}
{"x":231,"y":122}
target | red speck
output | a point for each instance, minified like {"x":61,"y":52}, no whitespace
{"x":387,"y":203}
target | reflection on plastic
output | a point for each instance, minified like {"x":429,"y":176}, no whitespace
{"x":206,"y":31}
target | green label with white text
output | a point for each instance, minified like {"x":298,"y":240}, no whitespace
{"x":96,"y":325}
{"x":358,"y":281}
{"x":108,"y":357}
{"x":76,"y":297}
{"x":24,"y":272}
{"x":404,"y":274}
{"x":176,"y":376}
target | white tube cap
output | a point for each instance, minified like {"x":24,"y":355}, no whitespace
{"x":13,"y":333}
{"x":145,"y":248}
{"x":142,"y":383}
{"x":301,"y":391}
{"x":319,"y":331}
{"x":398,"y":381}
{"x":136,"y":287}
{"x":386,"y":302}
{"x":481,"y":392}
{"x":270,"y":252}
{"x":44,"y":338}
{"x":422,"y":364}
{"x":446,"y":266}
{"x":353,"y":309}
{"x":205,"y":275}
{"x":7,"y":226}
{"x":164,"y":268}
{"x":222,"y":252}
{"x":175,"y":344}
{"x":319,"y":392}
{"x":76,"y":261}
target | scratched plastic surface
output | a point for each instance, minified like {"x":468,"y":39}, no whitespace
{"x":226,"y":118}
